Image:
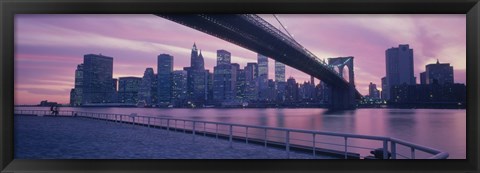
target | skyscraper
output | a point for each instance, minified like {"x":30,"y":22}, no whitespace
{"x":164,"y":75}
{"x":271,"y":92}
{"x":279,"y":81}
{"x":179,"y":88}
{"x":262,"y":76}
{"x":279,"y":72}
{"x":209,"y":86}
{"x":240,"y":85}
{"x":384,"y":86}
{"x":423,"y":78}
{"x":222,"y":84}
{"x":251,"y":82}
{"x":399,"y":67}
{"x":280,"y":89}
{"x":72,"y":97}
{"x":196,"y":77}
{"x":78,"y":90}
{"x":196,"y":58}
{"x":373,"y":91}
{"x":233,"y":89}
{"x":128,"y":88}
{"x":442,"y":73}
{"x":306,"y":91}
{"x":148,"y":88}
{"x":97,"y":79}
{"x":291,"y":90}
{"x":115,"y":90}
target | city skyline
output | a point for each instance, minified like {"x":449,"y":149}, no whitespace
{"x":49,"y":83}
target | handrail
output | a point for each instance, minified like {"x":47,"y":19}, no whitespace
{"x":146,"y":120}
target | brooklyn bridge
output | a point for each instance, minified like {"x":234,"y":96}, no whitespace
{"x":254,"y":33}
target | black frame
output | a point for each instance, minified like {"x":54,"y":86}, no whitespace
{"x":8,"y":8}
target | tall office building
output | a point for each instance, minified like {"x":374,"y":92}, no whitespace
{"x":291,"y":90}
{"x":209,"y":86}
{"x":423,"y":78}
{"x":148,"y":88}
{"x":383,"y":93}
{"x":441,"y":73}
{"x":240,"y":85}
{"x":306,"y":91}
{"x":251,"y":82}
{"x":223,"y":57}
{"x":72,"y":97}
{"x":196,"y":78}
{"x":233,"y":88}
{"x":399,"y":67}
{"x":222,"y":84}
{"x":262,"y":76}
{"x":196,"y":58}
{"x":324,"y":93}
{"x":97,"y":79}
{"x":271,"y":92}
{"x":279,"y":72}
{"x":164,"y":75}
{"x":115,"y":90}
{"x":179,"y":87}
{"x":373,"y":92}
{"x":76,"y":95}
{"x":280,"y":89}
{"x":279,"y":81}
{"x":128,"y":88}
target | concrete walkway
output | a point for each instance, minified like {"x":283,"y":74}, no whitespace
{"x":80,"y":138}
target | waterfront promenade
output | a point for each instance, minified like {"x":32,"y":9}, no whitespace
{"x":286,"y":139}
{"x":44,"y":137}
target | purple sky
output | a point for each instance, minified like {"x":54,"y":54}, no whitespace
{"x":49,"y":47}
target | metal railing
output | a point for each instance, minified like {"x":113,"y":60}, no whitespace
{"x":257,"y":134}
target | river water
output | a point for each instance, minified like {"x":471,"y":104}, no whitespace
{"x":443,"y":129}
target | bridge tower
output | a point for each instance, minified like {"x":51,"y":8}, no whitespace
{"x":342,"y":98}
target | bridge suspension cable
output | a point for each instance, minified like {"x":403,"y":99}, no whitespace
{"x":283,"y":26}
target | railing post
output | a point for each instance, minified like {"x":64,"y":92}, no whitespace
{"x":313,"y":145}
{"x":346,"y":144}
{"x":230,"y":137}
{"x":148,"y":122}
{"x":216,"y":131}
{"x":385,"y":149}
{"x":265,"y":138}
{"x":246,"y":135}
{"x":133,"y":121}
{"x":412,"y":150}
{"x":193,"y":133}
{"x":168,"y":125}
{"x":287,"y":143}
{"x":393,"y":147}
